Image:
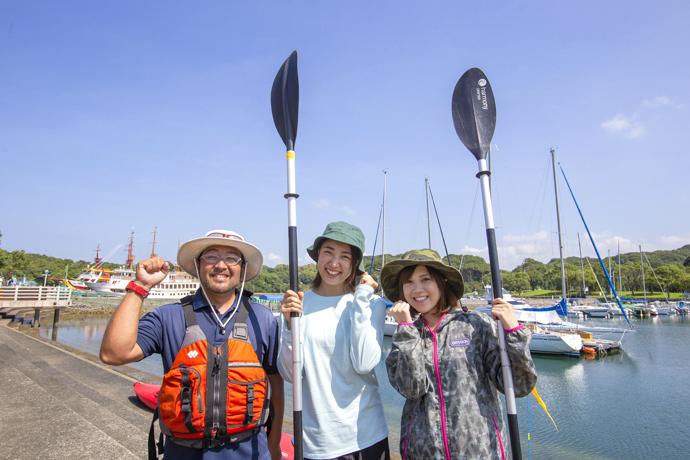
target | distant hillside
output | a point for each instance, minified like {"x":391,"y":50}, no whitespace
{"x":21,"y":264}
{"x":669,"y":269}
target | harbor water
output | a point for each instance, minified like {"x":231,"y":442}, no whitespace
{"x":626,"y":406}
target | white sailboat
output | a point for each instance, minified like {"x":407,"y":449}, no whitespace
{"x":544,"y":341}
{"x":558,"y":325}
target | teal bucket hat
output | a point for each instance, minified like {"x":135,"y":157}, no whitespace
{"x":341,"y":232}
{"x":390,"y":274}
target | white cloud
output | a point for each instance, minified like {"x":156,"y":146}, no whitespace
{"x":271,"y":259}
{"x":632,"y":126}
{"x":674,"y":241}
{"x":326,"y":204}
{"x":607,"y":242}
{"x":471,"y":250}
{"x":322,"y":203}
{"x":660,"y":101}
{"x":539,"y":236}
{"x":627,"y":126}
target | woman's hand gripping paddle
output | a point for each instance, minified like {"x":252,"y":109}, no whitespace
{"x":474,"y":117}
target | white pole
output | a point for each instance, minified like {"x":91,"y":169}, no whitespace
{"x":383,"y":228}
{"x":558,"y":221}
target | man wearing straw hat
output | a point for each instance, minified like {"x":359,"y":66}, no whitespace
{"x":198,"y":336}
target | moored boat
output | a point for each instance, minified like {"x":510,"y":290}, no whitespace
{"x":591,"y":311}
{"x":92,"y":278}
{"x":176,"y":285}
{"x":544,"y":341}
{"x":389,"y":326}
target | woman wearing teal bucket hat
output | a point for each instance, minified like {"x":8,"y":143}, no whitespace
{"x":446,"y":362}
{"x":341,"y":330}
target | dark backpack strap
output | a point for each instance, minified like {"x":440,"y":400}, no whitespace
{"x":188,"y":309}
{"x":153,"y":453}
{"x":187,"y":300}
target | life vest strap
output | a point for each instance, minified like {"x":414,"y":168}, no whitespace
{"x":186,"y":400}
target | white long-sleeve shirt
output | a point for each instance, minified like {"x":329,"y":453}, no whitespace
{"x":341,"y":339}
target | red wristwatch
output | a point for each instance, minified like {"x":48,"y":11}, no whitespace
{"x":134,"y":287}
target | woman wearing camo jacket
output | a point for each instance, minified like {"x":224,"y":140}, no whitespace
{"x":446,"y":362}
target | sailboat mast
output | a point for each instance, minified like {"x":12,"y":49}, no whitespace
{"x":613,"y":280}
{"x":620,"y":269}
{"x":582,"y":265}
{"x":644,"y":286}
{"x":383,"y":216}
{"x":558,"y":220}
{"x":428,"y":217}
{"x":440,"y":227}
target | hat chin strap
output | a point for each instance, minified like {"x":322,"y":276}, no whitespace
{"x":222,"y":324}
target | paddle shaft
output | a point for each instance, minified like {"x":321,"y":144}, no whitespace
{"x":508,"y":387}
{"x":291,"y":197}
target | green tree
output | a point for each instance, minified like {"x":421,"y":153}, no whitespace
{"x":516,"y":282}
{"x":535,"y":271}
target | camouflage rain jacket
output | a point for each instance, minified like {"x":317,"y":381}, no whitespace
{"x":450,"y":378}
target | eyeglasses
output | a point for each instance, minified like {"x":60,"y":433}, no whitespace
{"x":230,"y":259}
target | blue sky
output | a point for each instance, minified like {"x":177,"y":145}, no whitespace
{"x":129,"y":115}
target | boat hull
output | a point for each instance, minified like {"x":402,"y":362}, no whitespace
{"x":389,"y":327}
{"x":554,"y":343}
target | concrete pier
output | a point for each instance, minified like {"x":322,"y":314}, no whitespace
{"x":57,"y":404}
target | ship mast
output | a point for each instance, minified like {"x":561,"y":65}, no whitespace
{"x":130,"y":251}
{"x":153,"y":243}
{"x":97,"y":260}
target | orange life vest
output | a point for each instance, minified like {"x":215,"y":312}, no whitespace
{"x":214,"y":394}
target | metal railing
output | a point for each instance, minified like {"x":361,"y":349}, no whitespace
{"x":35,"y":295}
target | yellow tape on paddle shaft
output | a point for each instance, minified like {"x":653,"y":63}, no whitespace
{"x":290,"y":154}
{"x":541,"y":402}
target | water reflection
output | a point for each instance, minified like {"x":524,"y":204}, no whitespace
{"x":630,"y":405}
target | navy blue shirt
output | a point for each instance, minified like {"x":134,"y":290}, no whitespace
{"x":162,"y":331}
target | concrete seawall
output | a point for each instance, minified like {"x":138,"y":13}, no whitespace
{"x":58,"y":404}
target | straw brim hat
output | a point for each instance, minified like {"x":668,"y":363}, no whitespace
{"x":390,"y":275}
{"x":190,"y":251}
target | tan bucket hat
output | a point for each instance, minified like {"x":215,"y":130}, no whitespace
{"x":390,"y":274}
{"x":190,"y":251}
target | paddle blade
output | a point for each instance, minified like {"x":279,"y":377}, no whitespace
{"x":474,"y":112}
{"x":285,"y":100}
